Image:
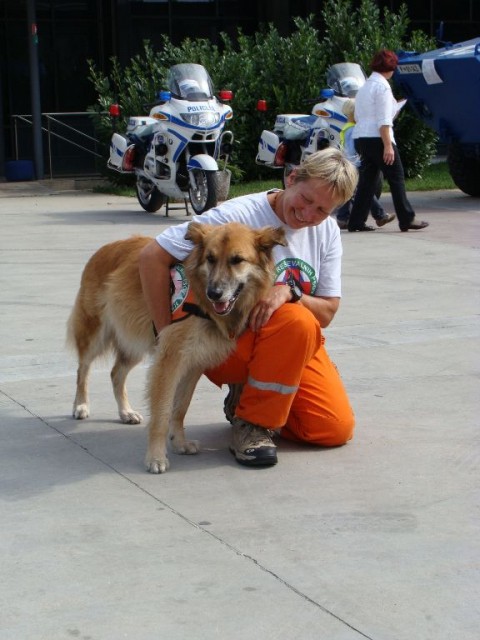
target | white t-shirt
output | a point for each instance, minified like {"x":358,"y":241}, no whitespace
{"x":313,"y":254}
{"x":375,"y":106}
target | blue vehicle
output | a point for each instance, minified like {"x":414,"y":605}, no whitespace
{"x":443,"y":89}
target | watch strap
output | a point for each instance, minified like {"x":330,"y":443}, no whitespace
{"x":295,"y":289}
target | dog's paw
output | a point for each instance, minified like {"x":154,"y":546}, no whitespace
{"x":156,"y":465}
{"x":81,"y":411}
{"x":156,"y":459}
{"x":187,"y":447}
{"x":131,"y":417}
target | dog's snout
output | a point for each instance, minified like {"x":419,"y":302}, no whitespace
{"x":214,"y":293}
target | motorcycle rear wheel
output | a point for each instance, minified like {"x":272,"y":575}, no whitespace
{"x":149,"y":196}
{"x":204,"y":195}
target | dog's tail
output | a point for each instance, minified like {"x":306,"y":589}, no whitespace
{"x":75,"y":321}
{"x":84,"y":330}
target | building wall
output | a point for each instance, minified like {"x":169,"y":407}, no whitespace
{"x":72,"y":32}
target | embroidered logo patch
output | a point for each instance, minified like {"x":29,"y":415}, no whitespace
{"x":303,"y":273}
{"x":179,"y":286}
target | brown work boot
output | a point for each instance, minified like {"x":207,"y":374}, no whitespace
{"x":251,"y":445}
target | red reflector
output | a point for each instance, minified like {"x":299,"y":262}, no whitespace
{"x":225,"y":94}
{"x":114,"y":110}
{"x":262,"y":105}
{"x":280,"y":155}
{"x":129,"y":159}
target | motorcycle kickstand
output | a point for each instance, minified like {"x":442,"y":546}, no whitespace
{"x":168,"y":207}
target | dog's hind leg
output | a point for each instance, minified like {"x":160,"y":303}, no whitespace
{"x":81,"y":407}
{"x":122,"y":367}
{"x":89,"y":344}
{"x":183,"y":397}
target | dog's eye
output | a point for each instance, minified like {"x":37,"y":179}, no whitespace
{"x":211,"y":258}
{"x":236,"y":260}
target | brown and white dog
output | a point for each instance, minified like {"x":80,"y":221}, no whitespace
{"x":229,"y":269}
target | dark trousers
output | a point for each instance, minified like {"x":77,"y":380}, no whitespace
{"x":371,"y":154}
{"x":377,"y":211}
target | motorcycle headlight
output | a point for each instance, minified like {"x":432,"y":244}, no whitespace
{"x":203,"y":119}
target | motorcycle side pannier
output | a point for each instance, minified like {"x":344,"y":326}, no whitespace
{"x":267,"y":147}
{"x":121,"y":151}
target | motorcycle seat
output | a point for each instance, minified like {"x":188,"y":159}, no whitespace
{"x":298,"y":127}
{"x":141,"y":137}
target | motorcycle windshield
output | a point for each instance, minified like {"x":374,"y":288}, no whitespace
{"x":346,"y":78}
{"x":190,"y":81}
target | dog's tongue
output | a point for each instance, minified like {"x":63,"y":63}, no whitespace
{"x":220,"y":307}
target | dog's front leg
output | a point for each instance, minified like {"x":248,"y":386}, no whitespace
{"x":156,"y":459}
{"x":183,"y":396}
{"x":168,"y":368}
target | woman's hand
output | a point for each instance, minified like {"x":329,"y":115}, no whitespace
{"x":323,"y":308}
{"x":264,"y":309}
{"x":388,"y":152}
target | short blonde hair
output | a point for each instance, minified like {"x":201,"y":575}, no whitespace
{"x":333,"y":167}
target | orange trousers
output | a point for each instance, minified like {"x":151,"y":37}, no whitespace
{"x":289,"y":380}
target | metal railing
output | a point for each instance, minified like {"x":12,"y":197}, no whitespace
{"x":55,"y":129}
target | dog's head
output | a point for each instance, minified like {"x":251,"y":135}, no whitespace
{"x":230,"y":261}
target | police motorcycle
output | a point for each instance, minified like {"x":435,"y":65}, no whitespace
{"x":295,"y":136}
{"x":173,"y":152}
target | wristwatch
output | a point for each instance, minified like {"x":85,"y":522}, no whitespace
{"x":295,"y":289}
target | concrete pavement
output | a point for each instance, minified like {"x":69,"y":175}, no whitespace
{"x":378,"y":539}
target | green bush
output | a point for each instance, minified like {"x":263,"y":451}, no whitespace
{"x":287,"y":72}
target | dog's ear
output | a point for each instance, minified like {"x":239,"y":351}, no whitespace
{"x":268,"y":237}
{"x":196,"y":232}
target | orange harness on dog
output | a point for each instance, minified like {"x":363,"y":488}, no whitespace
{"x":183,"y":303}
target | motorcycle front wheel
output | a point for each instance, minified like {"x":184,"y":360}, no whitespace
{"x":149,"y":196}
{"x":204,"y":195}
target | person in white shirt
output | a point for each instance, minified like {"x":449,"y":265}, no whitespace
{"x":280,"y":375}
{"x":375,"y":110}
{"x":347,"y":143}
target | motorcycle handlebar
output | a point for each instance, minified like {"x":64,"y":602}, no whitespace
{"x":313,"y":100}
{"x":149,"y":105}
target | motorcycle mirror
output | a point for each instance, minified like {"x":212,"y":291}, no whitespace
{"x":262,"y":105}
{"x":225,"y":94}
{"x":114,"y":110}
